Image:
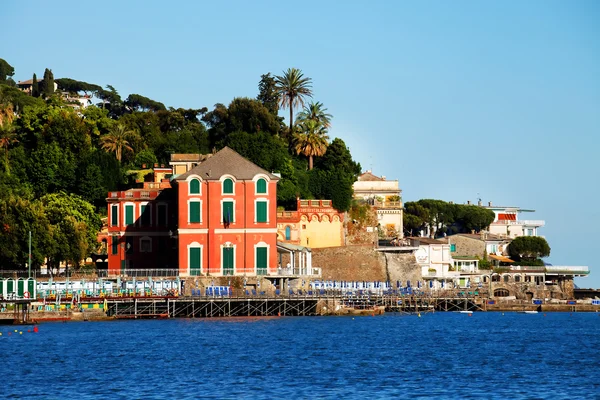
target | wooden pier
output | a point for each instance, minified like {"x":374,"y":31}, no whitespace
{"x":264,"y":306}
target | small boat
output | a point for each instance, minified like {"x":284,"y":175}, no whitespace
{"x":528,"y":312}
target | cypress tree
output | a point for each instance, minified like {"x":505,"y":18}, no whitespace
{"x":48,"y":82}
{"x":35,"y":89}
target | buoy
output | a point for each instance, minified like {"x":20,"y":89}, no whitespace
{"x":9,"y":333}
{"x":35,"y":328}
{"x":20,"y":333}
{"x":419,"y":315}
{"x":279,"y":314}
{"x":26,"y":295}
{"x":470,"y":315}
{"x":16,"y":330}
{"x":29,"y":330}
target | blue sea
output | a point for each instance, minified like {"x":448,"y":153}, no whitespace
{"x":436,"y":355}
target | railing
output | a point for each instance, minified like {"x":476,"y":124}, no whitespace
{"x":388,"y":204}
{"x":568,"y":269}
{"x":527,"y":222}
{"x":527,"y":268}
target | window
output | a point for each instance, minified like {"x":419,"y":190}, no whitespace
{"x":129,"y":214}
{"x":228,"y":214}
{"x":145,"y":219}
{"x":228,"y":186}
{"x":194,"y":212}
{"x":261,"y":260}
{"x":261,"y":186}
{"x":195,"y":257}
{"x":145,"y":245}
{"x":129,"y":244}
{"x":288,"y":233}
{"x":261,"y":211}
{"x":162,"y":215}
{"x":194,"y":186}
{"x":115,"y":244}
{"x":114,"y":215}
{"x":452,"y":247}
{"x":517,"y":278}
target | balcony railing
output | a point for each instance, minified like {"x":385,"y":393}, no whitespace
{"x":561,"y":269}
{"x":525,"y":222}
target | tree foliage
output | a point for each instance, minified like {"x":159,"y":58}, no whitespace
{"x":293,"y":87}
{"x":528,"y":248}
{"x":6,"y":71}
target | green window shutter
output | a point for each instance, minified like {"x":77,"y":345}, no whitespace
{"x":452,"y":247}
{"x":228,"y":186}
{"x":128,"y":215}
{"x":145,"y":217}
{"x":261,"y":211}
{"x":261,"y":186}
{"x":195,"y":257}
{"x":115,"y":245}
{"x":194,"y":186}
{"x":194,"y":211}
{"x":228,"y":215}
{"x":114,"y":215}
{"x":261,"y":260}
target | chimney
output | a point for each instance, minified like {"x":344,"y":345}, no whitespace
{"x":479,"y":202}
{"x":468,"y":202}
{"x":489,"y":203}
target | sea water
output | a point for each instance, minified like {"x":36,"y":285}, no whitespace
{"x":434,"y":355}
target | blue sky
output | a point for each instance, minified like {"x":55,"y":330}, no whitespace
{"x":458,"y":100}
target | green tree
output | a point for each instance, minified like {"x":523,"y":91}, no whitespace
{"x":35,"y":88}
{"x":528,"y":248}
{"x":8,"y":137}
{"x":6,"y":71}
{"x":268,"y":95}
{"x":138,"y":102}
{"x":315,"y":112}
{"x":47,"y":86}
{"x":117,"y":140}
{"x":311,"y":140}
{"x":293,"y":88}
{"x":414,"y":218}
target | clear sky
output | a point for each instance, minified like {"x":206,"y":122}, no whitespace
{"x":457,"y":100}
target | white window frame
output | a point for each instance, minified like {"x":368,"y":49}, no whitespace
{"x":195,"y":245}
{"x":196,"y":200}
{"x":222,"y":180}
{"x":262,"y":200}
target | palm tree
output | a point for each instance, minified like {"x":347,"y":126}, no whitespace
{"x":7,"y":138}
{"x":117,"y":140}
{"x":292,"y":88}
{"x":311,"y":140}
{"x":316,"y":112}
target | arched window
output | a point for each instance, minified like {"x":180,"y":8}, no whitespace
{"x":501,"y":293}
{"x":261,"y":186}
{"x":506,"y":278}
{"x":228,"y":186}
{"x":194,"y":186}
{"x":288,"y":233}
{"x":517,"y":278}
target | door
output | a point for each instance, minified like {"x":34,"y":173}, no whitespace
{"x":261,"y":261}
{"x":195,"y":257}
{"x":227,"y":260}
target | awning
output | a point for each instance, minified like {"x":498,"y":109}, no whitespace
{"x":500,"y":258}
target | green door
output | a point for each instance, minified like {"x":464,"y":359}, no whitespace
{"x":195,"y":257}
{"x":261,"y":260}
{"x":227,"y":260}
{"x":20,"y":287}
{"x":2,"y":288}
{"x":31,"y":288}
{"x":10,"y":287}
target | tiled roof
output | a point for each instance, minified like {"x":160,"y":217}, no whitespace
{"x":29,"y":82}
{"x":368,"y":176}
{"x":226,"y":162}
{"x":477,"y":236}
{"x":426,"y":240}
{"x":189,"y":157}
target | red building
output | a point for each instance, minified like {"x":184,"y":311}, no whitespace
{"x":226,"y":222}
{"x":141,"y":224}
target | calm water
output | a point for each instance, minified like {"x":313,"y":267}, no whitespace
{"x":442,"y":355}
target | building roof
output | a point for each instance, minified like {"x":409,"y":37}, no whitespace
{"x":489,"y":237}
{"x":368,"y":176}
{"x":426,"y":240}
{"x":226,"y":162}
{"x":189,"y":157}
{"x":500,"y":258}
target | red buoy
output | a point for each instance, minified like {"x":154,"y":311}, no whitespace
{"x":35,"y":328}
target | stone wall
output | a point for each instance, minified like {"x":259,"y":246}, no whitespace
{"x":364,"y":263}
{"x":467,"y":247}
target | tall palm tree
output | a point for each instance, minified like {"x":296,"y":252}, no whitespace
{"x":311,"y":140}
{"x":316,"y":112}
{"x":292,"y":88}
{"x":117,"y":140}
{"x":7,"y":138}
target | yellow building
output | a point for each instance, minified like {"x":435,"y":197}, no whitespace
{"x":315,"y":224}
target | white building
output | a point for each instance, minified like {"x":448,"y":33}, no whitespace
{"x":507,"y":222}
{"x":386,"y":197}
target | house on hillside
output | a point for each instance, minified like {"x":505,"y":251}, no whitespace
{"x":508,"y":224}
{"x":386,"y":197}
